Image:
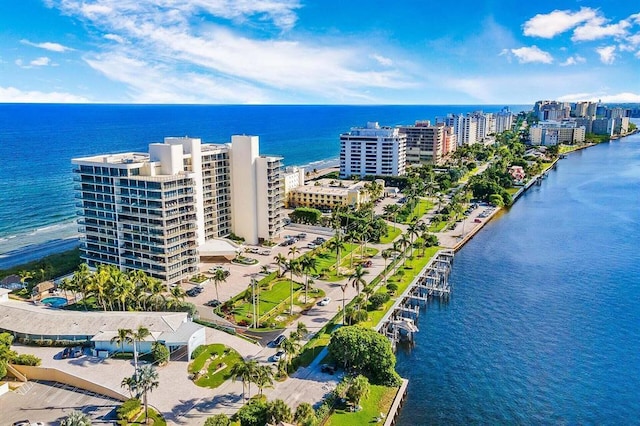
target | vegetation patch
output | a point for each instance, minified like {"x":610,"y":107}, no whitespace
{"x":378,"y":401}
{"x":212,"y":365}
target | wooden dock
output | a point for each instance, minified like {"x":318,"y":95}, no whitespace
{"x":433,"y":281}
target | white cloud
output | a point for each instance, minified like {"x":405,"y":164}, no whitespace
{"x":387,"y":62}
{"x":12,"y":94}
{"x":53,"y":47}
{"x":573,"y":60}
{"x":551,"y":24}
{"x":114,"y":37}
{"x":532,"y":54}
{"x":595,"y":30}
{"x":42,"y":61}
{"x":607,"y":54}
{"x":624,"y":97}
{"x":178,"y":41}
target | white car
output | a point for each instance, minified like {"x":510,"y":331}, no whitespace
{"x":325,"y":301}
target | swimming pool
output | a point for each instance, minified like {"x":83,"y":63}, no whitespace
{"x":54,"y":302}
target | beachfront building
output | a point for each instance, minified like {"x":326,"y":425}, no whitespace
{"x":293,"y":178}
{"x":152,"y":211}
{"x":372,"y":151}
{"x":554,"y":133}
{"x":427,"y":143}
{"x":329,"y":193}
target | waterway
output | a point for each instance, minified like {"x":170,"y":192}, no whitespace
{"x":543,"y":324}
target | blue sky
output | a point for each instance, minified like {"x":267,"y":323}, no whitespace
{"x":318,"y":51}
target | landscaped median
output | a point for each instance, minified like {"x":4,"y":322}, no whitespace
{"x":212,"y":365}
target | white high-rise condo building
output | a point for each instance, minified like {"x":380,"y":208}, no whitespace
{"x":372,"y":151}
{"x":151,"y":211}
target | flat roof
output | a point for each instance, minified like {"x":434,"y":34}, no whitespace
{"x":26,"y":318}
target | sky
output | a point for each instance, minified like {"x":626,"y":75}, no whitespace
{"x":319,"y":51}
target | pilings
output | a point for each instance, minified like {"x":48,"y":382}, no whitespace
{"x":399,"y":323}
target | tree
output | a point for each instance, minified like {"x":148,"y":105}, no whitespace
{"x":358,"y":389}
{"x":307,"y":264}
{"x":280,"y":260}
{"x":294,"y":268}
{"x":160,"y":353}
{"x":336,"y":244}
{"x":245,"y":371}
{"x":305,"y":415}
{"x":129,"y":383}
{"x":219,"y":276}
{"x":278,"y":411}
{"x":218,"y":420}
{"x":125,"y":335}
{"x":365,"y":351}
{"x":76,"y":418}
{"x":301,"y":331}
{"x":343,"y":287}
{"x":253,"y":413}
{"x":146,"y":382}
{"x":263,"y":377}
{"x":139,"y":335}
{"x":386,"y":255}
{"x":289,"y":346}
{"x":357,"y":278}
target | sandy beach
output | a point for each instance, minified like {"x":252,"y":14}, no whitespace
{"x":36,"y":251}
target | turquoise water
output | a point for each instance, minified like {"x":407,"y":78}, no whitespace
{"x":544,"y":325}
{"x":54,"y":302}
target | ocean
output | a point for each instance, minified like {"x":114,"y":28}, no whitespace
{"x":38,"y":141}
{"x":543,"y":323}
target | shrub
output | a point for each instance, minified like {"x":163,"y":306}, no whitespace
{"x":129,"y":409}
{"x":160,"y":353}
{"x":378,"y":299}
{"x":253,"y":413}
{"x":3,"y":369}
{"x":26,"y":359}
{"x":218,"y":420}
{"x":198,"y":351}
{"x":392,"y":287}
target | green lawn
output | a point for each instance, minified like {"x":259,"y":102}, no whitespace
{"x":422,"y":207}
{"x":314,"y":346}
{"x":280,"y":290}
{"x":155,"y":417}
{"x":214,"y":355}
{"x":379,"y":401}
{"x":437,"y":226}
{"x":512,"y":191}
{"x":402,"y":278}
{"x":392,"y":233}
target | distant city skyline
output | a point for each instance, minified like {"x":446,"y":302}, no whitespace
{"x":318,"y":51}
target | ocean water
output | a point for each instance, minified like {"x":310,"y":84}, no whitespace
{"x":37,"y":143}
{"x":543,"y":326}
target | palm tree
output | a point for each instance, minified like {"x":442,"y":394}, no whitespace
{"x":246,"y":372}
{"x":307,"y":264}
{"x":357,"y":278}
{"x":130,"y":384}
{"x":146,"y":382}
{"x":305,"y":415}
{"x":294,"y":268}
{"x":391,"y":211}
{"x":280,"y":260}
{"x":301,"y":330}
{"x":76,"y":418}
{"x":139,"y":335}
{"x":293,"y":251}
{"x":219,"y":276}
{"x":386,"y":255}
{"x":336,"y":244}
{"x":125,"y":335}
{"x":81,"y":280}
{"x":343,"y":287}
{"x":177,"y":294}
{"x":98,"y":285}
{"x":264,"y":377}
{"x":413,"y":230}
{"x":289,"y":346}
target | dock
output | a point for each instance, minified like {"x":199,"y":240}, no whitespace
{"x":400,"y":322}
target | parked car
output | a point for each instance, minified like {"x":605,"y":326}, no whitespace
{"x":194,"y":291}
{"x":277,"y":356}
{"x":214,"y":303}
{"x":22,"y":423}
{"x":311,"y":246}
{"x":325,"y":301}
{"x":302,"y":236}
{"x":278,"y":340}
{"x":477,"y":220}
{"x":71,"y":352}
{"x":367,"y":264}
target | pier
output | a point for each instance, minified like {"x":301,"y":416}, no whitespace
{"x":400,"y":322}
